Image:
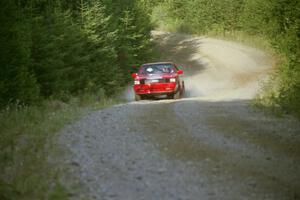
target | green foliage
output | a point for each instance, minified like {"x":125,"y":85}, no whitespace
{"x":131,"y":19}
{"x":199,"y":16}
{"x":60,"y":47}
{"x":17,"y":82}
{"x":55,"y":50}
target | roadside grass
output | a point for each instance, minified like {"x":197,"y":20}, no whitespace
{"x":26,"y":143}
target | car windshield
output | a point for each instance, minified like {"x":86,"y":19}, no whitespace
{"x":157,"y":69}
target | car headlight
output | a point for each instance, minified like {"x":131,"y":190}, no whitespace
{"x":172,"y":80}
{"x":136,"y":82}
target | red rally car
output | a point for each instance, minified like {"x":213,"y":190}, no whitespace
{"x":158,"y":79}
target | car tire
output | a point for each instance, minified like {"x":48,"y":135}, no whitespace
{"x":177,"y":95}
{"x":137,"y":97}
{"x":182,"y":91}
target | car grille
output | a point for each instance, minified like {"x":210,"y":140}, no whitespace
{"x":163,"y":80}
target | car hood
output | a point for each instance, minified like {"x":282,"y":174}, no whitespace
{"x":156,"y":76}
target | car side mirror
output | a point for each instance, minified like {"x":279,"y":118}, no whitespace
{"x":134,"y":75}
{"x":179,"y":72}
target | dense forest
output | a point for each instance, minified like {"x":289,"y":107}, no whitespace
{"x":53,"y":53}
{"x":55,"y":49}
{"x":276,"y":21}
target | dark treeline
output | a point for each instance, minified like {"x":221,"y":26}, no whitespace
{"x":56,"y":57}
{"x":276,"y":20}
{"x":60,"y":48}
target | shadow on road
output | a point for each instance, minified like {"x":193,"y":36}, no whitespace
{"x":182,"y":50}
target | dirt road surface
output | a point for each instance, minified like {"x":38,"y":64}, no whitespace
{"x":209,"y":145}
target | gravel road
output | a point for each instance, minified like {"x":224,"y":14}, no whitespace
{"x":209,"y":145}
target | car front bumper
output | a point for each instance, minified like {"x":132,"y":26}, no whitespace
{"x":155,"y":88}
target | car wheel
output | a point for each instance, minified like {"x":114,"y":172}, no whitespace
{"x":182,"y":91}
{"x":137,"y":97}
{"x":170,"y":96}
{"x":177,"y":95}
